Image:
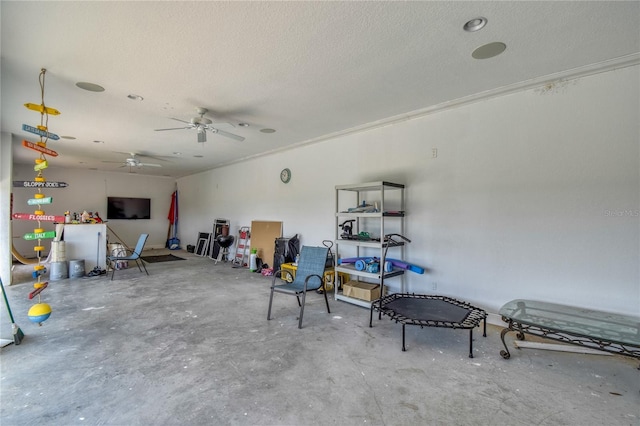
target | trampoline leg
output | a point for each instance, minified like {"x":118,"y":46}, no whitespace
{"x":484,"y":332}
{"x":471,"y":343}
{"x":403,"y":347}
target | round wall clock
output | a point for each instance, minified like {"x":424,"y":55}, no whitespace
{"x":285,"y":175}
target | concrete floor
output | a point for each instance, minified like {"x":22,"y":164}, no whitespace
{"x":190,"y":345}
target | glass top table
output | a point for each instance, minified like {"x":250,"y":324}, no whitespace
{"x":601,"y":330}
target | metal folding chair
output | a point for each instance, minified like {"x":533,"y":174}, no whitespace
{"x":309,"y":277}
{"x":135,"y":255}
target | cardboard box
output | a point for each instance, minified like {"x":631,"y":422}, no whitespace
{"x":361,"y":290}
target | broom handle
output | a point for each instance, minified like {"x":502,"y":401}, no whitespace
{"x":119,"y":239}
{"x":6,"y":301}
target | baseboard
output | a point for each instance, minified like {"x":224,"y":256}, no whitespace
{"x":495,"y":319}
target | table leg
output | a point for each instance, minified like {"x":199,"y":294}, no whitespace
{"x":404,"y":349}
{"x":505,"y":353}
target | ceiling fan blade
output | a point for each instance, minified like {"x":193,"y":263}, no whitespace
{"x":173,"y":128}
{"x":155,"y":157}
{"x":227,"y":134}
{"x":182,"y":121}
{"x":224,"y":124}
{"x":149,"y":165}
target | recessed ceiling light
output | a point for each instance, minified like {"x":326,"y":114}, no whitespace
{"x":177,"y":153}
{"x":68,"y":137}
{"x":267,"y":130}
{"x":90,"y":86}
{"x":489,"y":50}
{"x":135,"y":97}
{"x":475,"y":24}
{"x":198,"y":156}
{"x":243,"y":124}
{"x":98,"y":141}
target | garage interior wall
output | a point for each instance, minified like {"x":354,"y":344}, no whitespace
{"x":531,"y":195}
{"x":88,"y":190}
{"x":535,"y":194}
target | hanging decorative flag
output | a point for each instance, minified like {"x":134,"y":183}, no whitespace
{"x":39,"y":148}
{"x":38,"y":217}
{"x":42,"y":109}
{"x":39,"y":132}
{"x":173,"y":243}
{"x":38,"y":184}
{"x":38,"y":201}
{"x":40,"y":235}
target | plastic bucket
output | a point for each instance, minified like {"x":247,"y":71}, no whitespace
{"x":58,"y":251}
{"x":58,"y":271}
{"x":76,"y":268}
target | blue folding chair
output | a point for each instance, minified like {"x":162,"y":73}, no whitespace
{"x":135,"y":255}
{"x":309,"y":277}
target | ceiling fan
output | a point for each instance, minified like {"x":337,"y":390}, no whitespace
{"x":133,"y":162}
{"x":202,"y":124}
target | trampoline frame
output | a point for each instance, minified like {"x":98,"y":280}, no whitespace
{"x":471,"y":320}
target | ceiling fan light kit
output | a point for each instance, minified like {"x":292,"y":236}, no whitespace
{"x":202,"y":136}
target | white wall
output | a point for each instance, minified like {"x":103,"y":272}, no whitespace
{"x":88,"y":190}
{"x":532,"y":195}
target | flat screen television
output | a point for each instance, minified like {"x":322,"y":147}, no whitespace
{"x":128,"y":208}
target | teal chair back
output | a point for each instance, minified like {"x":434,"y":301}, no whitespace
{"x":311,"y":264}
{"x":309,"y":277}
{"x":140,"y":245}
{"x":135,"y":256}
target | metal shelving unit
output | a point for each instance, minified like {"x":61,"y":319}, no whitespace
{"x":382,"y":221}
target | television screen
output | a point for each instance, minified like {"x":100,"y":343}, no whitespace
{"x":128,"y":208}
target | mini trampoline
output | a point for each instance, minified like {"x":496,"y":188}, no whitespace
{"x":430,"y":311}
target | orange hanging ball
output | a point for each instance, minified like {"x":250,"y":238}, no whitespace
{"x":39,"y":312}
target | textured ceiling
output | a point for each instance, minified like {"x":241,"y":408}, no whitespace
{"x":309,"y":70}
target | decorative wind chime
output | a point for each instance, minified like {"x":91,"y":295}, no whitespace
{"x":40,"y":311}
